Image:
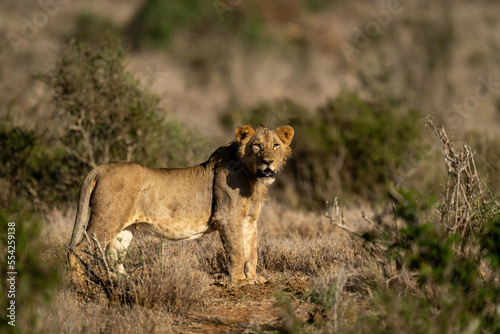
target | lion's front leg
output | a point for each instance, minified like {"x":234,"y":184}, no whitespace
{"x":250,"y":240}
{"x":232,"y":240}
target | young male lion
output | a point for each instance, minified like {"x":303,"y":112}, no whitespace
{"x":224,"y":194}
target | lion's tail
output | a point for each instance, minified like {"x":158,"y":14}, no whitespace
{"x":82,"y":213}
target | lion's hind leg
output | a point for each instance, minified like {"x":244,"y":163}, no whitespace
{"x":82,"y":256}
{"x":77,"y":267}
{"x":78,"y":260}
{"x":118,"y":246}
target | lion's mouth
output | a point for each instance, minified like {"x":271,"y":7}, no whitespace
{"x":265,"y":173}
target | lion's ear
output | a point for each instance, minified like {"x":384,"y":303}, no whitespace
{"x":243,"y":132}
{"x":285,"y":133}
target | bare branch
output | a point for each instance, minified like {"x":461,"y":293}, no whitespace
{"x":103,"y":254}
{"x":334,"y":220}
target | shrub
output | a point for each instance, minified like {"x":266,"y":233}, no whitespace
{"x":40,"y":174}
{"x":156,"y":22}
{"x":456,"y":292}
{"x":325,"y":289}
{"x":371,"y":137}
{"x":436,"y":273}
{"x":319,"y":5}
{"x":36,"y":279}
{"x":107,"y":113}
{"x":90,"y":28}
{"x":453,"y":258}
{"x":17,"y":146}
{"x":456,"y":269}
{"x":104,"y":115}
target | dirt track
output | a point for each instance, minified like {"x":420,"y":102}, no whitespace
{"x":248,"y":309}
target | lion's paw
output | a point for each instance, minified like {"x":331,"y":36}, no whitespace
{"x":257,"y":279}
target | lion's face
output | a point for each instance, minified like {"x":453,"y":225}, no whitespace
{"x":264,"y":151}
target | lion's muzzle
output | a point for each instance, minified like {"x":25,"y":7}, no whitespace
{"x":266,"y":173}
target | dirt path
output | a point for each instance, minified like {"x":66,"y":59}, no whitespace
{"x":245,"y":309}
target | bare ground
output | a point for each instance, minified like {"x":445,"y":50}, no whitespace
{"x":243,"y":309}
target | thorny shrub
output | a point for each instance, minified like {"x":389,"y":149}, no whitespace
{"x":439,"y":273}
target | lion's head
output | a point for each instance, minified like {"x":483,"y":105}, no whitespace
{"x":264,"y":151}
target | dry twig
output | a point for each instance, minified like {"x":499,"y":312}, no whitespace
{"x":334,"y":219}
{"x":464,"y":191}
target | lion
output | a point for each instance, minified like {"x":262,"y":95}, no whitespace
{"x":223,"y":194}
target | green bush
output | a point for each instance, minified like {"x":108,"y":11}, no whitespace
{"x":156,"y":22}
{"x":371,"y":136}
{"x":90,"y":28}
{"x":424,"y":277}
{"x":176,"y":145}
{"x":110,"y":116}
{"x":104,"y":115}
{"x":426,"y":282}
{"x":459,"y":290}
{"x":16,"y":149}
{"x":42,"y":175}
{"x":444,"y":276}
{"x":36,"y":279}
{"x":349,"y":146}
{"x":318,"y":5}
{"x":325,"y":290}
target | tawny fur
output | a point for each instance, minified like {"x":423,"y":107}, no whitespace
{"x":224,"y":194}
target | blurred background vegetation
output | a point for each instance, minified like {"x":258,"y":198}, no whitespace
{"x":164,"y":83}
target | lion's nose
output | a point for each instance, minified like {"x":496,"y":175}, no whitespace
{"x":267,"y":161}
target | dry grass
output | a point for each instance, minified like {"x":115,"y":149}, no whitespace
{"x":280,"y":221}
{"x":311,"y":255}
{"x":58,"y":223}
{"x":67,"y":314}
{"x":159,"y":275}
{"x":177,"y":286}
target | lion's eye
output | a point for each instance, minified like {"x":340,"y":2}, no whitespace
{"x":276,"y":146}
{"x":257,"y":146}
